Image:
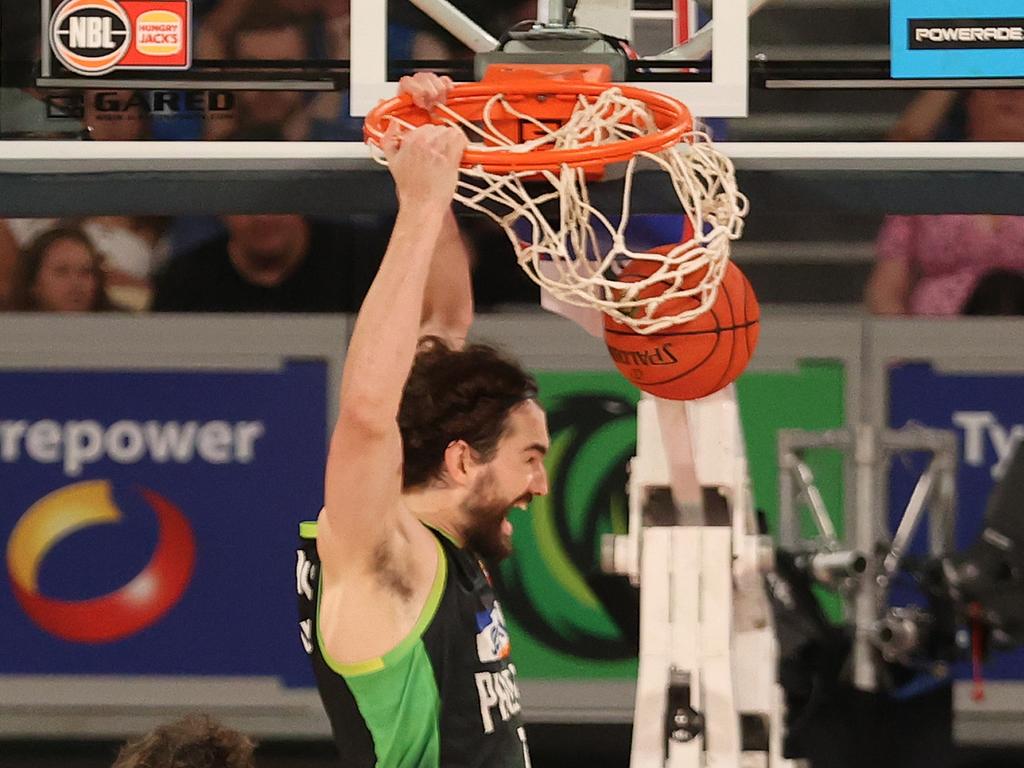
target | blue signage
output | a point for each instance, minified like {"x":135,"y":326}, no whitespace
{"x":987,"y":413}
{"x":956,"y":39}
{"x":148,"y":520}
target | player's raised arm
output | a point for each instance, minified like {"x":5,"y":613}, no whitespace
{"x":448,"y":299}
{"x":363,"y":480}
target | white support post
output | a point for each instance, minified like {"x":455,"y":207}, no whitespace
{"x":461,"y":27}
{"x":704,"y":612}
{"x":685,"y":637}
{"x":656,"y":639}
{"x":721,"y":715}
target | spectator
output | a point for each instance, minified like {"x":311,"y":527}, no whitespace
{"x":196,"y":741}
{"x":133,"y":249}
{"x":933,"y":265}
{"x":60,"y":271}
{"x":1000,"y":292}
{"x":414,"y":35}
{"x":272,"y":264}
{"x":132,"y":246}
{"x":114,"y":115}
{"x":271,"y":114}
{"x":8,"y":259}
{"x":264,"y":33}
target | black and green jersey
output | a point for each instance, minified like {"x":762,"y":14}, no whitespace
{"x":445,"y":697}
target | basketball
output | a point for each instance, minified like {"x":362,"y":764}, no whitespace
{"x":690,"y":360}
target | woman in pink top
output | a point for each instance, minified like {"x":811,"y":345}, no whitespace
{"x":932,"y":265}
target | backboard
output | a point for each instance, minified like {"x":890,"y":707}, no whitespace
{"x":716,"y":87}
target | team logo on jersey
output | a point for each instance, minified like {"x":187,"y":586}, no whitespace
{"x":492,"y":643}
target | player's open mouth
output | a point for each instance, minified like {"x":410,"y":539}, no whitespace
{"x":522,"y":503}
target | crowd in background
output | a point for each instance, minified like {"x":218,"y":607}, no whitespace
{"x":953,"y":264}
{"x":927,"y":265}
{"x":257,"y":263}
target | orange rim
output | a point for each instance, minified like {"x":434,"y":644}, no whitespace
{"x":672,"y":117}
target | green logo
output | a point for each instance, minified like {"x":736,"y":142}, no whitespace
{"x":553,"y":585}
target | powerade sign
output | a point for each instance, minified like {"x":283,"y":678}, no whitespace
{"x":987,"y":414}
{"x":147,"y":520}
{"x":958,"y":34}
{"x":959,"y":39}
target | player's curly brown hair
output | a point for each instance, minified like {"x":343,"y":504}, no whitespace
{"x":195,"y":741}
{"x":456,"y":394}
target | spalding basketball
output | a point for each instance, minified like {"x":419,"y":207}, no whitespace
{"x":690,"y":360}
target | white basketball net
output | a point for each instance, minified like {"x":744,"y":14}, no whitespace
{"x":575,"y":251}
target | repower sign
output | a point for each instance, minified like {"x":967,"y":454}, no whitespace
{"x":957,"y":39}
{"x":94,"y":37}
{"x":147,"y":519}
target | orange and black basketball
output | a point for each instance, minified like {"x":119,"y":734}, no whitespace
{"x":690,"y":360}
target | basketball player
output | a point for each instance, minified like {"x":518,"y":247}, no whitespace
{"x":435,"y":442}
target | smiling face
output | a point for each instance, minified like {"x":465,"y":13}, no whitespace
{"x":511,"y":479}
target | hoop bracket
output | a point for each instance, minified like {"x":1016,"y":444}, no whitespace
{"x":562,"y":46}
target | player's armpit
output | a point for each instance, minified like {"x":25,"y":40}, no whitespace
{"x":362,"y":487}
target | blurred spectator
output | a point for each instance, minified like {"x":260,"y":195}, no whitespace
{"x":60,"y":271}
{"x":273,"y":264}
{"x":498,"y":280}
{"x":267,"y":115}
{"x":196,"y":741}
{"x":1000,"y":292}
{"x":133,"y":248}
{"x":414,"y":35}
{"x":260,"y":30}
{"x":8,"y":259}
{"x":115,"y":115}
{"x":930,"y":265}
{"x":951,"y":264}
{"x":977,"y":115}
{"x":932,"y":116}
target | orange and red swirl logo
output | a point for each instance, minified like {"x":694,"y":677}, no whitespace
{"x":124,"y":612}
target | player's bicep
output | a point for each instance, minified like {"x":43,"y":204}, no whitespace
{"x":362,"y":485}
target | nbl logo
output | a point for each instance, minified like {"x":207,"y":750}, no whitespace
{"x":90,"y":36}
{"x":94,"y":37}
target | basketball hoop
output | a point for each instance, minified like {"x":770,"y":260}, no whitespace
{"x":538,"y":135}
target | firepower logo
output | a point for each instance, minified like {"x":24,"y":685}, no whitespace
{"x":122,"y":613}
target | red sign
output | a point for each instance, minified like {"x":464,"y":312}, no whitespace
{"x":94,"y":37}
{"x":161,"y":35}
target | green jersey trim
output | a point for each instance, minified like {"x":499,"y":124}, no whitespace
{"x":447,"y":535}
{"x":396,"y":654}
{"x":307,"y":529}
{"x":405,"y":693}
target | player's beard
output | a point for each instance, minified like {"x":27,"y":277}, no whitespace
{"x":485,"y":514}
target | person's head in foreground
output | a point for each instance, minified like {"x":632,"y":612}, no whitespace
{"x":471,"y":424}
{"x":195,"y":741}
